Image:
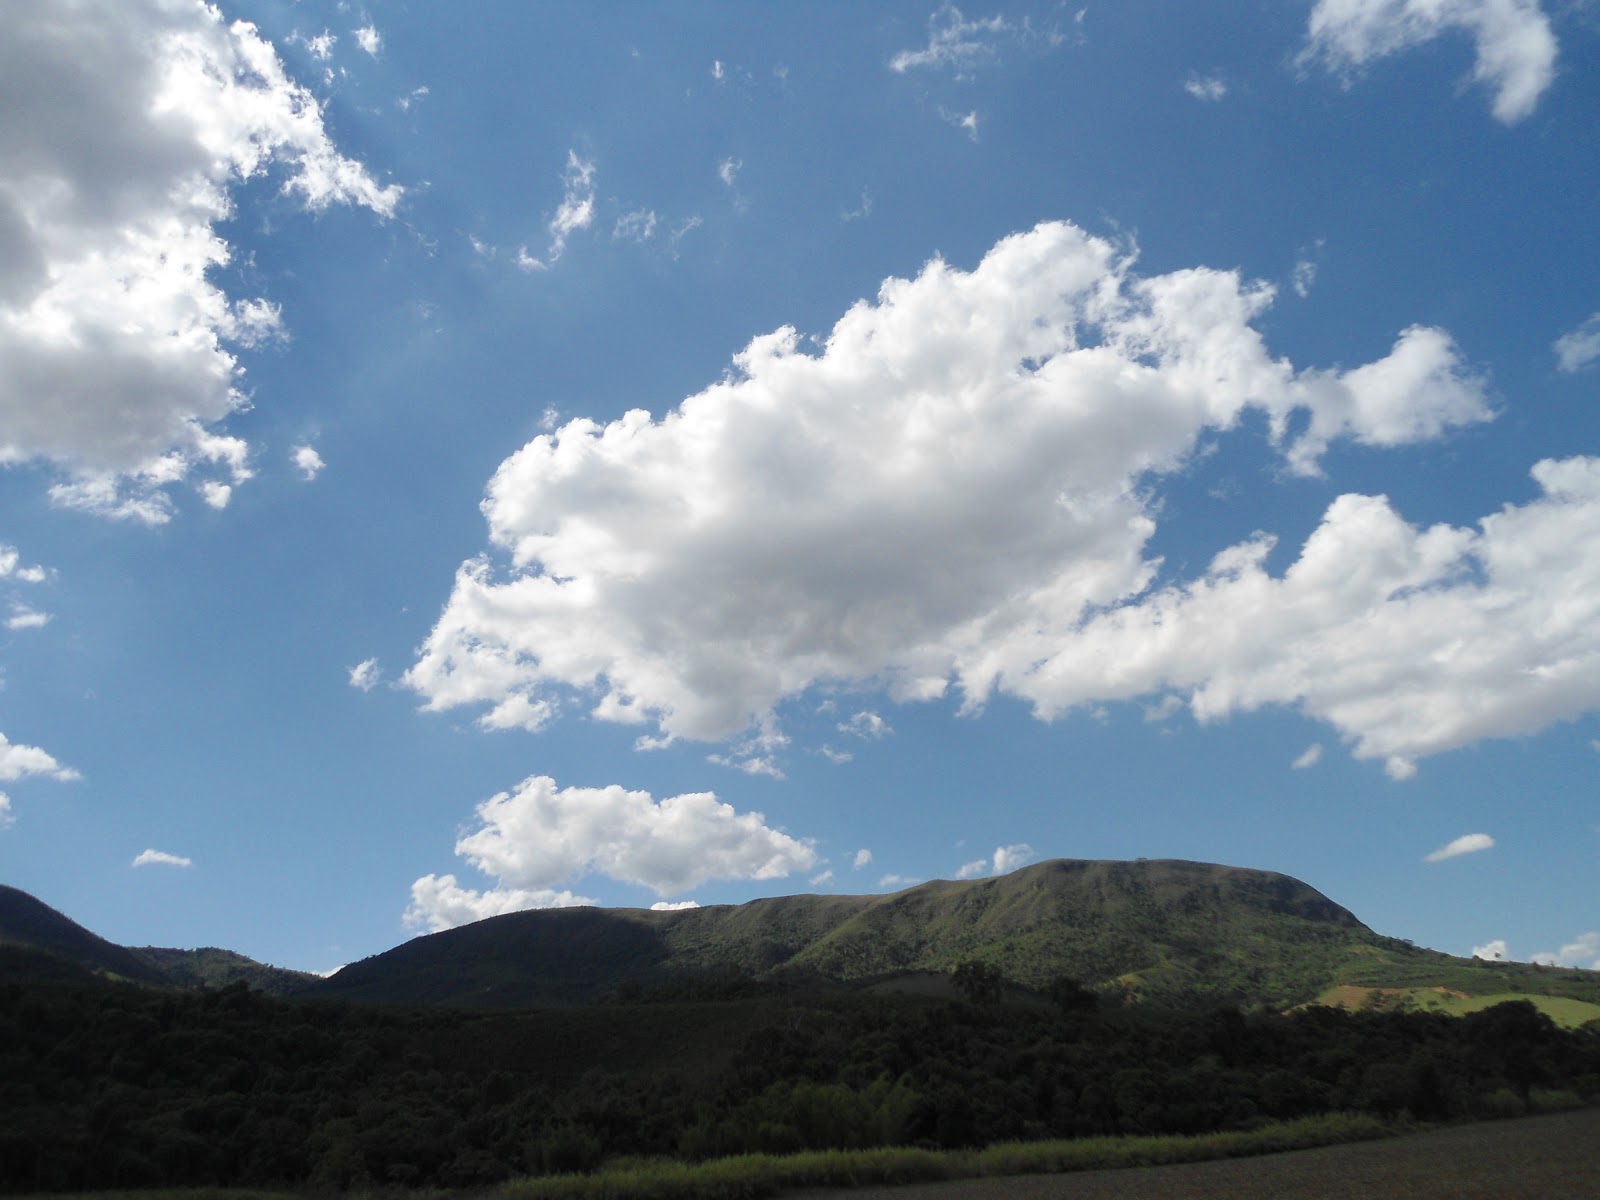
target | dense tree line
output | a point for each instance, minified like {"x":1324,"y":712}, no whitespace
{"x":108,"y":1086}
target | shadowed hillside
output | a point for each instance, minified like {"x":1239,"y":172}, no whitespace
{"x":33,"y":925}
{"x":38,"y":943}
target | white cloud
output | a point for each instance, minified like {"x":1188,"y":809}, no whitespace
{"x":1576,"y":350}
{"x":368,"y":39}
{"x":718,"y":71}
{"x":956,"y":488}
{"x":7,"y":819}
{"x":128,"y":125}
{"x":973,"y":869}
{"x":160,"y":858}
{"x":898,"y":881}
{"x":822,"y":879}
{"x":574,"y":213}
{"x":867,"y":724}
{"x":1008,"y":858}
{"x":967,"y":121}
{"x":1516,"y":50}
{"x":537,"y":837}
{"x":1584,"y":952}
{"x":440,"y":902}
{"x":1207,"y":88}
{"x":1163,"y":709}
{"x":1467,"y":843}
{"x":23,"y":617}
{"x":1309,"y":757}
{"x":18,"y":762}
{"x":1303,"y":276}
{"x":11,"y":567}
{"x":955,"y":42}
{"x":728,"y":170}
{"x":673,"y":905}
{"x":863,"y":858}
{"x":215,"y":494}
{"x":307,"y":461}
{"x":836,"y":756}
{"x":321,"y":46}
{"x":1494,"y":951}
{"x":637,"y":226}
{"x":366,"y":674}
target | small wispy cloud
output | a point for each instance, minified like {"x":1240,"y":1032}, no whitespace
{"x":369,"y":39}
{"x":160,"y":858}
{"x":366,"y":675}
{"x":1206,"y":88}
{"x":1467,"y":843}
{"x":1309,"y":757}
{"x":1581,"y":347}
{"x":307,"y":461}
{"x":863,"y":859}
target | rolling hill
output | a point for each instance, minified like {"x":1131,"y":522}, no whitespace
{"x":37,"y":943}
{"x":1151,"y":933}
{"x":1158,"y":933}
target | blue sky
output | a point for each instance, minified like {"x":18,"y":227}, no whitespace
{"x":461,"y":460}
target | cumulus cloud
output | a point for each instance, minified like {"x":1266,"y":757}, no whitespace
{"x":368,"y":39}
{"x":1576,"y":350}
{"x":128,"y":125}
{"x":1208,"y":88}
{"x":1467,"y":843}
{"x":955,"y":43}
{"x":534,"y":838}
{"x":366,"y":675}
{"x":1309,"y":757}
{"x":866,"y":724}
{"x":1006,"y":859}
{"x":1409,"y":641}
{"x":1009,"y":858}
{"x":160,"y":858}
{"x":440,"y":902}
{"x":23,"y":617}
{"x":955,"y":488}
{"x":863,"y":858}
{"x":18,"y":762}
{"x":898,"y":881}
{"x":11,"y":567}
{"x":575,"y":212}
{"x":822,"y":879}
{"x":307,"y":461}
{"x":1516,"y":49}
{"x":1584,"y":952}
{"x":673,"y":905}
{"x":1494,"y":951}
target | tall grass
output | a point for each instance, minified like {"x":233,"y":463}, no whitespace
{"x":752,"y":1176}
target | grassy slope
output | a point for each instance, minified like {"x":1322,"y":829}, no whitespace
{"x":1156,"y":932}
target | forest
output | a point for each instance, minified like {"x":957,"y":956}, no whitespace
{"x":110,"y":1085}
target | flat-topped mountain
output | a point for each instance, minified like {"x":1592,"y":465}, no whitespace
{"x":1160,"y":931}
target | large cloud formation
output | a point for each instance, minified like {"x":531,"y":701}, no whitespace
{"x":538,"y":836}
{"x":127,"y":124}
{"x":1516,"y":49}
{"x":950,"y":489}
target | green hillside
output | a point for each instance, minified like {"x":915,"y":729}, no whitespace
{"x":1158,"y":933}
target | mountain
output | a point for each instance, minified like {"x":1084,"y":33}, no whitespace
{"x":1161,"y":932}
{"x":39,"y":943}
{"x":32,"y":925}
